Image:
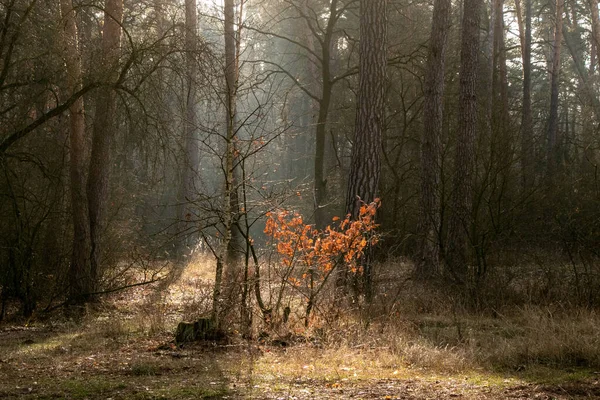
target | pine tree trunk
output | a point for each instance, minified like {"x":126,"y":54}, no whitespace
{"x":365,"y":167}
{"x":80,"y":280}
{"x":431,"y":148}
{"x":191,"y":157}
{"x":458,"y":252}
{"x":103,"y":132}
{"x":595,"y":23}
{"x":527,"y":155}
{"x":552,"y":132}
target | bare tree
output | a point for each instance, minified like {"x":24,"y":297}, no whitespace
{"x":227,"y":271}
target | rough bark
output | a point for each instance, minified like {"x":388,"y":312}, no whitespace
{"x":103,"y":132}
{"x":458,"y":248}
{"x":431,"y":148}
{"x":80,"y":280}
{"x":365,"y":165}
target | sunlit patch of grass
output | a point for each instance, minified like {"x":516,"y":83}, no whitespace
{"x":47,"y":345}
{"x":103,"y":387}
{"x":556,"y":376}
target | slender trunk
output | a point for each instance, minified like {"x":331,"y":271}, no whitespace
{"x":593,"y":4}
{"x":320,"y":188}
{"x":104,"y":131}
{"x":552,"y":132}
{"x":431,"y":147}
{"x":593,"y":57}
{"x":227,"y":274}
{"x":80,"y":280}
{"x":502,"y":76}
{"x":191,"y":157}
{"x":527,"y":154}
{"x":459,"y":228}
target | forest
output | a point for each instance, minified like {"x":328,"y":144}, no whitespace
{"x":299,"y":199}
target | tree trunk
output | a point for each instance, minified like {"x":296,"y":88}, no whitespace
{"x":552,"y":132}
{"x":595,"y":23}
{"x":104,"y":131}
{"x":80,"y":280}
{"x":191,"y":157}
{"x":431,"y":147}
{"x":365,"y":165}
{"x":527,"y":155}
{"x":320,"y":188}
{"x":227,"y":287}
{"x":459,"y":228}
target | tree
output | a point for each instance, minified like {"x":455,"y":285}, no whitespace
{"x":81,"y":283}
{"x":525,"y":38}
{"x":431,"y":146}
{"x":459,"y":226}
{"x":191,"y":155}
{"x":593,"y":4}
{"x":105,"y":126}
{"x":365,"y":167}
{"x":552,"y":130}
{"x":227,"y":272}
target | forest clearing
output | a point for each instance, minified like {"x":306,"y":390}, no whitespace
{"x":124,"y":348}
{"x":299,"y":199}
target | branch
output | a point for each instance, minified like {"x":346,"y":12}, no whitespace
{"x":56,"y":111}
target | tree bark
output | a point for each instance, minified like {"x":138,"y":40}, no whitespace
{"x":227,"y":287}
{"x":320,"y":185}
{"x":527,"y":155}
{"x":459,"y":228}
{"x":365,"y":167}
{"x":552,"y":132}
{"x":104,"y":131}
{"x":80,"y":279}
{"x":431,"y":147}
{"x":593,"y":4}
{"x":191,"y":157}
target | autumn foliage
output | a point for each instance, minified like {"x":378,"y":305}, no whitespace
{"x":309,"y":256}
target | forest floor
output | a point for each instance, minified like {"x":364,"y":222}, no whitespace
{"x":123,"y":349}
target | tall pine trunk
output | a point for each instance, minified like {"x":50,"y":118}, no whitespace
{"x":527,"y":153}
{"x":80,"y":279}
{"x":365,"y":167}
{"x":431,"y":147}
{"x":552,"y":131}
{"x":103,"y":132}
{"x":458,"y":252}
{"x":191,"y":158}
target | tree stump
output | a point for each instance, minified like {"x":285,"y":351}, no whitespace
{"x":201,"y":329}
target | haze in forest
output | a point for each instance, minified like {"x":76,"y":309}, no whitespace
{"x":310,"y":162}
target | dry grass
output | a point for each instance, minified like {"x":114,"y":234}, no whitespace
{"x":419,"y":343}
